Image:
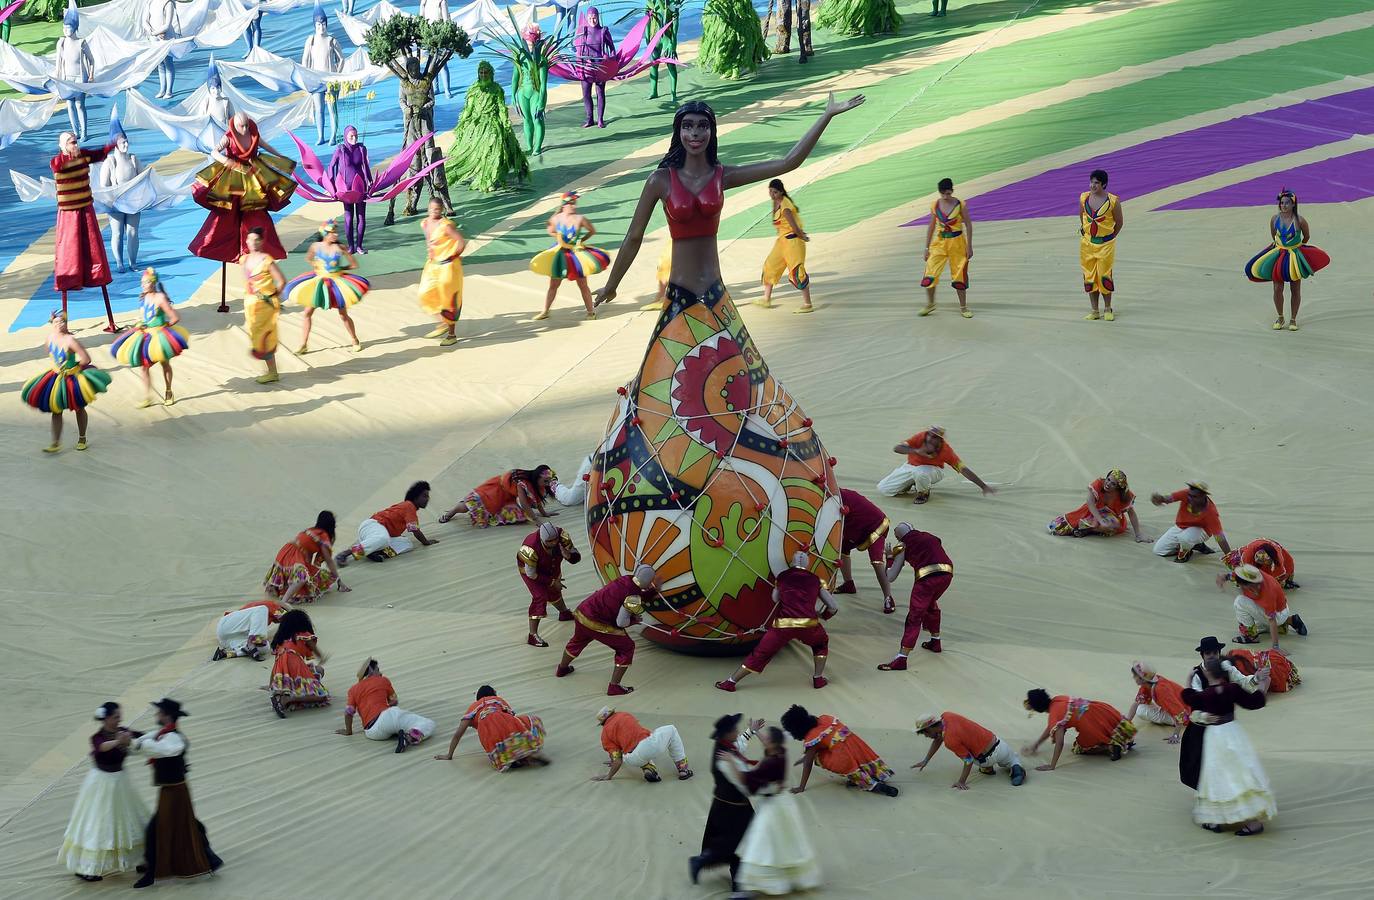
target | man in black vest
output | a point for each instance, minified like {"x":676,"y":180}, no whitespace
{"x":175,"y":843}
{"x":731,"y":811}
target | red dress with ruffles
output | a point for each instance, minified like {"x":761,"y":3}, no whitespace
{"x":240,"y":201}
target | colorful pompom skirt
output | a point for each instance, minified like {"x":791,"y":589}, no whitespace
{"x":333,"y":290}
{"x":1284,"y":264}
{"x":145,"y":345}
{"x":54,"y":392}
{"x":570,"y":262}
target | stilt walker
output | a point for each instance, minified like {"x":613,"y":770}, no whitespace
{"x":80,"y":255}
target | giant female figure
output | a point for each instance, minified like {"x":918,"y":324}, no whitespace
{"x":709,"y":471}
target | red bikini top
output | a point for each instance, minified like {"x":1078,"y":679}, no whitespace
{"x":694,"y":215}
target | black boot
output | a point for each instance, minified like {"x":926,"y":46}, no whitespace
{"x":1298,"y":624}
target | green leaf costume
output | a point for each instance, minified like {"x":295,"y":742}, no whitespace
{"x":731,"y":38}
{"x":859,"y":16}
{"x":485,"y":154}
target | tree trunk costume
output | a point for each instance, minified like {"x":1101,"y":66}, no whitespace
{"x":803,"y":19}
{"x":417,"y":107}
{"x":732,"y":43}
{"x":860,"y":16}
{"x":485,"y":154}
{"x":594,"y":43}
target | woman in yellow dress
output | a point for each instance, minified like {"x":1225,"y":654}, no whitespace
{"x":789,"y":249}
{"x":71,"y":382}
{"x":441,"y":282}
{"x":951,"y":245}
{"x":1101,"y":219}
{"x":572,"y":258}
{"x":262,"y":306}
{"x":328,"y":285}
{"x":156,"y":339}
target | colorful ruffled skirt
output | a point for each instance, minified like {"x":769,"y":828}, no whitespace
{"x":145,"y":345}
{"x":1286,"y":264}
{"x":570,"y":261}
{"x":1079,"y":523}
{"x":326,"y":290}
{"x":525,"y":739}
{"x":105,"y":832}
{"x":290,"y":567}
{"x":296,"y":681}
{"x":55,"y":391}
{"x":509,"y":514}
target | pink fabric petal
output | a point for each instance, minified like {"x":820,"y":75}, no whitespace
{"x":397,"y":167}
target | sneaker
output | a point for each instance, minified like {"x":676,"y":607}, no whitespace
{"x":219,"y":654}
{"x":344,"y":558}
{"x":885,"y":789}
{"x":819,"y":681}
{"x":651,"y":775}
{"x":1116,"y":752}
{"x":1109,"y":316}
{"x":726,"y":685}
{"x":897,"y":665}
{"x":933,"y":645}
{"x":684,"y":773}
{"x":1183,"y":556}
{"x":81,"y":443}
{"x":1291,"y":585}
{"x":987,"y":770}
{"x":145,"y":881}
{"x":1018,"y":776}
{"x":535,"y":640}
{"x":377,"y":556}
{"x":402,"y":741}
{"x":694,"y":866}
{"x":566,"y":616}
{"x":617,"y":690}
{"x":1298,"y":624}
{"x":1203,"y":549}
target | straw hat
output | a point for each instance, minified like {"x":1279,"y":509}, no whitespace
{"x":1200,"y":486}
{"x":929,"y":720}
{"x":603,"y":714}
{"x":1249,"y":573}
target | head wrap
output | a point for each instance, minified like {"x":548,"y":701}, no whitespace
{"x":902,"y":530}
{"x":350,"y":129}
{"x":1117,"y":477}
{"x":548,"y":532}
{"x":1144,"y":671}
{"x":801,"y":559}
{"x":644,"y":575}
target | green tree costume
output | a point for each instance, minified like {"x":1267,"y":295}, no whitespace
{"x":732,"y":42}
{"x":485,"y":154}
{"x":531,"y":89}
{"x":661,"y":11}
{"x":859,"y":16}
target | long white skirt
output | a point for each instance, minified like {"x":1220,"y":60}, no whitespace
{"x":105,"y":834}
{"x":1232,"y":786}
{"x":776,"y":856}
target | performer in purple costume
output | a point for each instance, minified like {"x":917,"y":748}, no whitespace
{"x":593,"y":44}
{"x":350,"y":170}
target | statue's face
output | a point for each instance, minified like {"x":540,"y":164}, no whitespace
{"x":321,"y":27}
{"x":69,"y":30}
{"x":413,"y":67}
{"x":122,"y":144}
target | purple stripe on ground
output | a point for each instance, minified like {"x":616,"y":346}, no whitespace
{"x":1158,"y":164}
{"x":1340,"y":179}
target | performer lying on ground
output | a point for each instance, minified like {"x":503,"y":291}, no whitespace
{"x":507,"y":499}
{"x":1110,"y":506}
{"x":1267,"y":556}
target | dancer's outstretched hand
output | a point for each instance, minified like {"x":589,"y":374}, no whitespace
{"x":834,"y":107}
{"x":602,"y":295}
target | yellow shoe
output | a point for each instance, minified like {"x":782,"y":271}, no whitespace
{"x":539,"y":317}
{"x":302,"y":350}
{"x":440,"y":331}
{"x":169,"y":400}
{"x":1092,"y":316}
{"x":53,"y":448}
{"x":358,"y":347}
{"x":656,"y":306}
{"x":81,"y":443}
{"x":802,"y":310}
{"x":268,"y":378}
{"x":966,"y":314}
{"x":1109,"y":316}
{"x":448,"y":341}
{"x":927,"y":311}
{"x":1278,"y":324}
{"x":1293,"y":325}
{"x":591,"y":314}
{"x":147,"y":402}
{"x":764,"y":304}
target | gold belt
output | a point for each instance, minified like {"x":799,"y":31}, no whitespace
{"x":795,"y":623}
{"x":596,"y":626}
{"x":878,"y":533}
{"x":934,"y":569}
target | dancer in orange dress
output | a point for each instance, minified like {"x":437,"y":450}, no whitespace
{"x":540,"y":564}
{"x":304,"y":568}
{"x":1110,"y":506}
{"x":1101,"y":729}
{"x":1283,"y":675}
{"x":1159,"y":700}
{"x":1267,"y":556}
{"x":507,"y":499}
{"x":296,"y":675}
{"x":829,"y":742}
{"x":510,"y":741}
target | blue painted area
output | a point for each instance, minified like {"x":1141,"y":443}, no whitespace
{"x":164,"y":234}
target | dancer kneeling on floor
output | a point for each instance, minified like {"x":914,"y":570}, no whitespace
{"x":374,"y":701}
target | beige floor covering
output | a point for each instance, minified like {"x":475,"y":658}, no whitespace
{"x":117,"y":562}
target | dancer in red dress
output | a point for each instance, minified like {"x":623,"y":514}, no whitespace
{"x":934,"y":572}
{"x":510,"y":741}
{"x":796,"y":594}
{"x":604,"y":616}
{"x":1100,"y":728}
{"x":1267,"y":556}
{"x":80,"y":247}
{"x":540,"y":564}
{"x":304,"y":567}
{"x":865,"y":528}
{"x":247,"y":180}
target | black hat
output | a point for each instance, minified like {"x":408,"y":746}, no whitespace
{"x":725,"y":724}
{"x":171,"y":708}
{"x":1210,"y":645}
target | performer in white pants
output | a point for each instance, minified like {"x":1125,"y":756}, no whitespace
{"x":374,"y":701}
{"x":574,"y":494}
{"x":629,"y":743}
{"x":926,"y":456}
{"x":972,"y":743}
{"x":1196,"y":521}
{"x":243,"y":632}
{"x":1261,"y":606}
{"x":388,"y":532}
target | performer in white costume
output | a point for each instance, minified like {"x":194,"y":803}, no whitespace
{"x":160,"y":24}
{"x":74,"y":63}
{"x":323,"y":54}
{"x":119,"y":167}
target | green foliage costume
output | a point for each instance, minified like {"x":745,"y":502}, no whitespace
{"x":731,"y":38}
{"x":532,"y":58}
{"x":485,"y":154}
{"x":859,"y":16}
{"x":661,"y":11}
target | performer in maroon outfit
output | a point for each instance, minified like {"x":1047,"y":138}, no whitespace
{"x":796,"y":594}
{"x":934,"y":572}
{"x":604,"y":616}
{"x":247,"y":179}
{"x":865,"y":528}
{"x":540,"y":564}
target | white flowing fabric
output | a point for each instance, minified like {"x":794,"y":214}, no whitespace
{"x":1232,"y":786}
{"x":105,"y":832}
{"x":19,"y":116}
{"x":146,"y":191}
{"x":207,"y":24}
{"x":483,"y":18}
{"x":356,"y":26}
{"x":776,"y":856}
{"x":119,"y":65}
{"x":276,"y":73}
{"x":193,"y":125}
